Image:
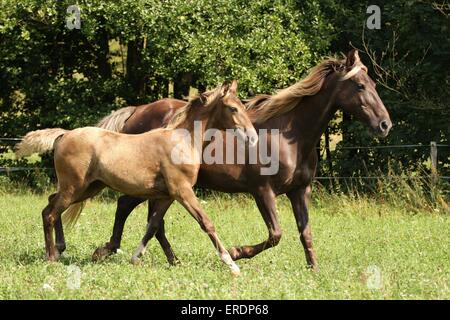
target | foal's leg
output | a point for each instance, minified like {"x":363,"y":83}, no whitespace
{"x":159,"y":209}
{"x":50,"y":215}
{"x":59,"y":236}
{"x":266,"y":203}
{"x":161,"y":234}
{"x":299,"y":200}
{"x":125,"y":205}
{"x":59,"y":232}
{"x":188,"y":199}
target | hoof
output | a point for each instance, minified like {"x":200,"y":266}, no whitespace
{"x":61,"y":248}
{"x":235,"y":271}
{"x":175,"y":262}
{"x":235,"y":253}
{"x":101,"y":254}
{"x":53,"y":258}
{"x":314,"y":268}
{"x":135,"y":261}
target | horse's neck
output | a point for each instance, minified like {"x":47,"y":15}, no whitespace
{"x":196,"y":126}
{"x":309,"y":119}
{"x":208,"y":120}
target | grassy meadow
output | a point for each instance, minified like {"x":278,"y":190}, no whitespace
{"x":366,"y":250}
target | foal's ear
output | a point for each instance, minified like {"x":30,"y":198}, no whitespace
{"x":225,"y":87}
{"x":352,"y":58}
{"x":233,"y":87}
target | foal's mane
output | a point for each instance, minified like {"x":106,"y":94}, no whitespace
{"x":264,"y":107}
{"x":205,"y":101}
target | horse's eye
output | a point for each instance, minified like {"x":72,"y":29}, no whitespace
{"x":361,"y":87}
{"x":233,"y":109}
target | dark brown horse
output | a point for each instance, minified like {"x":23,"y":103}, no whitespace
{"x":300,"y":113}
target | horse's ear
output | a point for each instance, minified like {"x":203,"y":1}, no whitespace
{"x":225,"y":87}
{"x":352,"y":58}
{"x":233,"y":87}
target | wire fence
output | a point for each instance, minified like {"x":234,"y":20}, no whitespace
{"x":433,"y":146}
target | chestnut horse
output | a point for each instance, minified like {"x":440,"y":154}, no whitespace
{"x":301,"y":113}
{"x":144,"y":165}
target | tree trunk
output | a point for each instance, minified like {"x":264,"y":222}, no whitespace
{"x":181,"y":85}
{"x":348,"y":140}
{"x":328,"y":152}
{"x":163,"y":87}
{"x":318,"y":169}
{"x":104,"y":68}
{"x":134,"y":73}
{"x":201,"y":88}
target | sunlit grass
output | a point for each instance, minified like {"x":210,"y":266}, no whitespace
{"x":351,"y":237}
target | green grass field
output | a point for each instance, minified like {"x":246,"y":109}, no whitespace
{"x":352,"y":238}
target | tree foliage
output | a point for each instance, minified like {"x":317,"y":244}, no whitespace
{"x":129,"y":52}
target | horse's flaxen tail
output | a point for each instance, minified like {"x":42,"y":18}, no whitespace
{"x":116,"y":120}
{"x":39,"y":141}
{"x":72,"y":214}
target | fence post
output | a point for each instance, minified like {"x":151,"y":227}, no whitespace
{"x":434,"y":162}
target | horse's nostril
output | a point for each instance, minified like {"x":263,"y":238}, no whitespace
{"x":384,"y":125}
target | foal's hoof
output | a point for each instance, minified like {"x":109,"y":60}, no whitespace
{"x":101,"y":253}
{"x":135,"y":261}
{"x":53,"y":257}
{"x":235,"y":271}
{"x":314,"y":268}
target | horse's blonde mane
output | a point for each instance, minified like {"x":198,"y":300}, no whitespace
{"x":180,"y":116}
{"x":264,"y":107}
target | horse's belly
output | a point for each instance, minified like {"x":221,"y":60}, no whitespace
{"x":225,"y":178}
{"x":135,"y":182}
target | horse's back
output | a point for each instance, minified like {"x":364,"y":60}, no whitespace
{"x":151,"y":116}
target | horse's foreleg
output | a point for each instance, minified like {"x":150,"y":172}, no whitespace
{"x":125,"y":205}
{"x":188,"y":199}
{"x":299,"y":200}
{"x":155,"y":218}
{"x":266,"y":203}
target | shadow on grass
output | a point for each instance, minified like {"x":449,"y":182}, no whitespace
{"x":37,"y":256}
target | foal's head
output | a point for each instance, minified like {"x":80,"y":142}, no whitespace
{"x":228,"y":112}
{"x":357,"y":95}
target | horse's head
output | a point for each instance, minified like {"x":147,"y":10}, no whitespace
{"x":358,"y":96}
{"x":231,"y":114}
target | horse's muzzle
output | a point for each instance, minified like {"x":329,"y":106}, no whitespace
{"x":384,"y":127}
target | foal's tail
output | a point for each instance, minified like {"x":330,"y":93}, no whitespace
{"x":39,"y":141}
{"x":116,"y":120}
{"x":71,"y":215}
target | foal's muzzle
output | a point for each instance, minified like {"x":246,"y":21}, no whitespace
{"x":249,"y":135}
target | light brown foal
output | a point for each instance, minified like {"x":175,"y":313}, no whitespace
{"x":89,"y":159}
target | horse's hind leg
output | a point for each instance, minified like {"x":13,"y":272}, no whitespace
{"x":59,"y":236}
{"x":188,"y":199}
{"x":161,"y":236}
{"x":159,"y":209}
{"x":50,"y":215}
{"x":59,"y":232}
